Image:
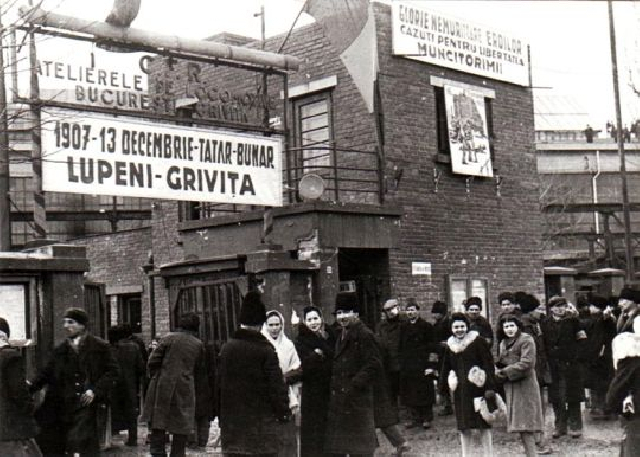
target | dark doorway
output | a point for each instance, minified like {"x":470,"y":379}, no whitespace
{"x":366,"y":271}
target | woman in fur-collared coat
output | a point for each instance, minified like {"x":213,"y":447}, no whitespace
{"x":516,"y":367}
{"x":469,"y":372}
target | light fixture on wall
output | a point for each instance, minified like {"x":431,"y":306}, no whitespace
{"x":436,"y":179}
{"x":498,"y":179}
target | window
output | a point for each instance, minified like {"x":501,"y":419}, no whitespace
{"x":130,"y":311}
{"x":314,"y":133}
{"x":461,"y":287}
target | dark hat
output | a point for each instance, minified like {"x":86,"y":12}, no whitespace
{"x":309,"y":309}
{"x":439,"y":307}
{"x":115,"y":333}
{"x":508,"y":317}
{"x":347,"y":301}
{"x":413,"y":303}
{"x":459,"y":317}
{"x":473,"y":301}
{"x":556,"y":301}
{"x":78,"y":315}
{"x":190,"y":322}
{"x":4,"y":326}
{"x":505,"y":296}
{"x":519,"y":297}
{"x":599,"y":302}
{"x":252,"y":311}
{"x":528,"y":303}
{"x":627,"y":293}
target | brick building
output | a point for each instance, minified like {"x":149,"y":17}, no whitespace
{"x":393,"y":219}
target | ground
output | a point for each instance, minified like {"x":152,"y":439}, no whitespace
{"x":599,"y":439}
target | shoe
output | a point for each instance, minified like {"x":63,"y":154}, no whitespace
{"x":410,"y":424}
{"x":543,"y":450}
{"x":426,"y":425}
{"x":558,"y":433}
{"x":402,"y":449}
{"x":446,"y":411}
{"x":575,"y":434}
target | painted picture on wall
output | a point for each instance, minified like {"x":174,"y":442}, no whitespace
{"x":468,"y":133}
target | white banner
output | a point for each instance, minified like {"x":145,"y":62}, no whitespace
{"x":468,"y":135}
{"x":105,"y":156}
{"x":429,"y":36}
{"x":80,"y":72}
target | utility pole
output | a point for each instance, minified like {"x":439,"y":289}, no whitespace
{"x":628,"y":254}
{"x":263,"y":39}
{"x":5,"y":209}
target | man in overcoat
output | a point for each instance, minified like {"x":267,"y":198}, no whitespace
{"x":442,"y":331}
{"x":78,"y":377}
{"x":564,"y":338}
{"x":175,"y":367}
{"x":388,"y":333}
{"x":253,"y":395}
{"x":418,"y":366}
{"x":356,"y":362}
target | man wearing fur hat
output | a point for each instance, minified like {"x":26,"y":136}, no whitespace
{"x":177,"y":369}
{"x":628,"y":304}
{"x":79,"y":377}
{"x":388,"y":334}
{"x":473,"y":307}
{"x":350,"y":420}
{"x":253,"y":394}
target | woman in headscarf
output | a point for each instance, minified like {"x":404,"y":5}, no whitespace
{"x":516,"y":368}
{"x":17,"y":426}
{"x":624,"y":392}
{"x":273,"y":331}
{"x":468,"y":370}
{"x":315,"y":345}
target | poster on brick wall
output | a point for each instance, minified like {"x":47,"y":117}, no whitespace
{"x":468,"y":133}
{"x":97,"y":155}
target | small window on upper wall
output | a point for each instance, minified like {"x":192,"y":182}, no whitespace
{"x":313,"y":133}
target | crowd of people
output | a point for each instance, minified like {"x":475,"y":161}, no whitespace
{"x":325,"y":391}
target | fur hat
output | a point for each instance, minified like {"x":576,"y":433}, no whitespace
{"x":556,"y":301}
{"x":390,"y":304}
{"x":505,"y":296}
{"x":252,"y":311}
{"x":413,"y":303}
{"x":439,"y":307}
{"x":599,"y":302}
{"x":528,"y":303}
{"x":190,"y":322}
{"x":4,"y":326}
{"x":627,"y":293}
{"x":78,"y":315}
{"x":477,"y":301}
{"x":347,"y":301}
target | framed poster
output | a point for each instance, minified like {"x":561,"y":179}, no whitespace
{"x":13,"y":307}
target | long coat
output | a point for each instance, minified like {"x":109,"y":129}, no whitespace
{"x":174,"y":367}
{"x":350,"y":425}
{"x":64,"y":424}
{"x":253,"y":395}
{"x":565,"y":350}
{"x":16,"y":406}
{"x":518,"y":356}
{"x":124,"y":396}
{"x":418,"y":351}
{"x":598,"y":358}
{"x":459,"y":357}
{"x":316,"y":381}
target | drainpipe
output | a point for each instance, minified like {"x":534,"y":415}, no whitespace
{"x":594,"y":188}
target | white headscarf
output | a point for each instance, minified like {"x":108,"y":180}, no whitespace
{"x":287,"y":355}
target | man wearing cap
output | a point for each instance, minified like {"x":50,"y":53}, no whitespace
{"x":177,"y":369}
{"x":388,"y":334}
{"x":79,"y":377}
{"x":253,"y":394}
{"x":473,"y":307}
{"x":350,"y":420}
{"x":563,"y":338}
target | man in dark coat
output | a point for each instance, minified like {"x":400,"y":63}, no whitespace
{"x":350,"y":425}
{"x":176,"y":366}
{"x":124,"y":395}
{"x":253,"y":395}
{"x":388,"y":334}
{"x":598,"y":358}
{"x":79,"y":377}
{"x":441,"y":332}
{"x":17,"y":425}
{"x":479,"y":323}
{"x":563,"y":338}
{"x":628,"y":304}
{"x":418,"y":367}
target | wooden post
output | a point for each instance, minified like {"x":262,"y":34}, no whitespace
{"x":5,"y":208}
{"x":39,"y":202}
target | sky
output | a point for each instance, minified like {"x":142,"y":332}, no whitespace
{"x":570,"y":47}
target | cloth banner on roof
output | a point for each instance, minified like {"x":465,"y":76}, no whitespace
{"x":468,"y":133}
